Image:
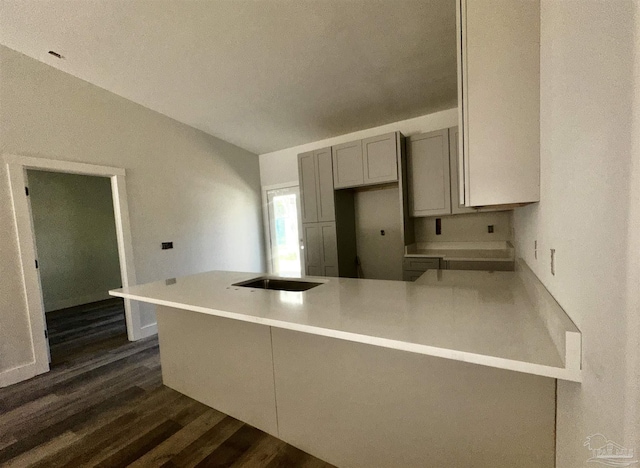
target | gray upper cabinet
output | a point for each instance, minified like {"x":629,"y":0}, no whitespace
{"x":308,"y":193}
{"x":380,"y":159}
{"x":324,"y":185}
{"x":429,"y":174}
{"x":347,"y":165}
{"x":316,"y":186}
{"x":456,"y":206}
{"x":366,"y":162}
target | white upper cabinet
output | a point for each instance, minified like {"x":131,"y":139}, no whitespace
{"x":366,"y":162}
{"x":499,"y":101}
{"x":429,"y":174}
{"x":380,"y":159}
{"x":347,"y":165}
{"x":316,"y":186}
{"x":457,"y":206}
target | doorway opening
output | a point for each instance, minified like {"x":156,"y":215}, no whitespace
{"x":17,"y":167}
{"x":283,"y":230}
{"x":77,"y":253}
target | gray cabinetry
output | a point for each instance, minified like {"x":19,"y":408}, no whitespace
{"x":323,"y":241}
{"x":433,"y":170}
{"x":380,"y":159}
{"x":347,"y":165}
{"x":429,"y":174}
{"x":312,"y":248}
{"x":324,"y":185}
{"x":414,"y":267}
{"x":308,"y":193}
{"x":320,"y":249}
{"x":316,"y":186}
{"x":366,"y":162}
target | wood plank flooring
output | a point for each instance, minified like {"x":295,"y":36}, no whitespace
{"x":103,"y":404}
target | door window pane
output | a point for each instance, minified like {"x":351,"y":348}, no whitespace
{"x":283,"y":227}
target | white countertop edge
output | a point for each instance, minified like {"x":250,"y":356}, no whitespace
{"x":463,"y":356}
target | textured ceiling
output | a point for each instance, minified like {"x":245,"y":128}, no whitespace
{"x":264,"y":75}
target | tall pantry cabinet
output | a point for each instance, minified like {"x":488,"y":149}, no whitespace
{"x":328,"y":250}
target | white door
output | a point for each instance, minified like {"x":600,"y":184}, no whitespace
{"x":284,"y":233}
{"x":37,"y":267}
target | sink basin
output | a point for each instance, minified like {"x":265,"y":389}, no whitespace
{"x":277,"y":284}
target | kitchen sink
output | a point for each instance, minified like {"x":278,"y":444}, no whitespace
{"x":277,"y":284}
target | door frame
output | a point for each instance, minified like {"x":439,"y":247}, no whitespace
{"x":17,"y":167}
{"x":265,"y":220}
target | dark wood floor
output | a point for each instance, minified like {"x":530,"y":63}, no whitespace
{"x":103,"y":404}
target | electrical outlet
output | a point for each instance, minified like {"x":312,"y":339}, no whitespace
{"x":553,"y":262}
{"x":167,"y":245}
{"x":490,"y":228}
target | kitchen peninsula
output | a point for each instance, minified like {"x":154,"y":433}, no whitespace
{"x":352,"y":370}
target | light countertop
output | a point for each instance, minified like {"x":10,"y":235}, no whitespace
{"x":463,"y":251}
{"x":487,"y":318}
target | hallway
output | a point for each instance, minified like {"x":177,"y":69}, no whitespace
{"x":86,"y":329}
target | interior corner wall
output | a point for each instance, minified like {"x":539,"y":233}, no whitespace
{"x":589,"y":212}
{"x":75,"y":234}
{"x":183,"y":185}
{"x":281,"y":166}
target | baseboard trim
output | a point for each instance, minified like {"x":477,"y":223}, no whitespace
{"x":76,"y":301}
{"x":149,"y":330}
{"x":20,"y":373}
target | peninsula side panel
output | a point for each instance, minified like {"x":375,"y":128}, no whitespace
{"x":225,"y":364}
{"x":357,"y":405}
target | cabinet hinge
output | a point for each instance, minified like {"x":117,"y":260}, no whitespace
{"x":26,"y":190}
{"x":36,"y":264}
{"x":46,"y":334}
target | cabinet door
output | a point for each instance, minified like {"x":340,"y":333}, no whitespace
{"x":312,"y":249}
{"x":308,"y":190}
{"x":380,"y":159}
{"x":457,"y":203}
{"x":429,"y":177}
{"x":499,"y":96}
{"x":347,"y":165}
{"x":324,"y":178}
{"x":329,"y":249}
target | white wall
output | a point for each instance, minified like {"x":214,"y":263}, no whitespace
{"x":183,"y":185}
{"x":282,"y":166}
{"x":471,"y":227}
{"x":75,"y":233}
{"x":589,"y":211}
